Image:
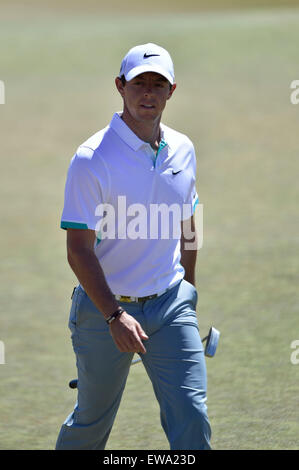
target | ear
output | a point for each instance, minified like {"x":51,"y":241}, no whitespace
{"x":119,"y":86}
{"x":173,"y":87}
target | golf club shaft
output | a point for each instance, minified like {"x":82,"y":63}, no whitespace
{"x":74,"y":383}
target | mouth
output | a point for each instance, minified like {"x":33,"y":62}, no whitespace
{"x":147,"y":106}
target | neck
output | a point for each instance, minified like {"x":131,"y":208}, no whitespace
{"x":148,"y":131}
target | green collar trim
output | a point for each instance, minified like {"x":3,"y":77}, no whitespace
{"x":161,"y":146}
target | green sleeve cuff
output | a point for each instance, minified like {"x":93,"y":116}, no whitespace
{"x":65,"y":225}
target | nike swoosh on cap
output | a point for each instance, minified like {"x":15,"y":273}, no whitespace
{"x":146,"y":56}
{"x":176,"y":172}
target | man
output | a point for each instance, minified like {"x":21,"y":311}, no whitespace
{"x":137,"y":280}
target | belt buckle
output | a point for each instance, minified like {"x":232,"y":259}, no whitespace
{"x":125,"y":298}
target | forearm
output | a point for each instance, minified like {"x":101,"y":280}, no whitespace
{"x":189,"y":249}
{"x":89,"y":272}
{"x":188,"y":261}
{"x":126,"y":332}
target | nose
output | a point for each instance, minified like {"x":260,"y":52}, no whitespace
{"x":148,"y":89}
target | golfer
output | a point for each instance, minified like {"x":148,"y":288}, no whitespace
{"x":128,"y":213}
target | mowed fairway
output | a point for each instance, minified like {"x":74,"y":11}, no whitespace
{"x":234,"y":71}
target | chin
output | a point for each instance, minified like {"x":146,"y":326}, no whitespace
{"x":148,"y":115}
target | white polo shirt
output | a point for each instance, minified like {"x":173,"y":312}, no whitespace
{"x":135,"y":200}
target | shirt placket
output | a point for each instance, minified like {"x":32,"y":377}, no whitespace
{"x":154,"y":155}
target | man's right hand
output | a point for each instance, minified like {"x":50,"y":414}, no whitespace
{"x":125,"y":330}
{"x":128,"y":334}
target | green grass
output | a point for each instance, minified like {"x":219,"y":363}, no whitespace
{"x":234,"y":72}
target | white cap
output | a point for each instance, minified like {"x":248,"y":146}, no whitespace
{"x":147,"y":58}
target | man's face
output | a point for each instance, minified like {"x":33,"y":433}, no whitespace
{"x":145,"y":96}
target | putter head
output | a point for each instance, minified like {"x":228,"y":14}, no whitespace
{"x":212,"y":342}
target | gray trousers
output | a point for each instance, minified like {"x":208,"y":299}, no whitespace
{"x":174,"y":362}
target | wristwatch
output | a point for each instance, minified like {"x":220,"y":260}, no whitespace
{"x":114,"y":315}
